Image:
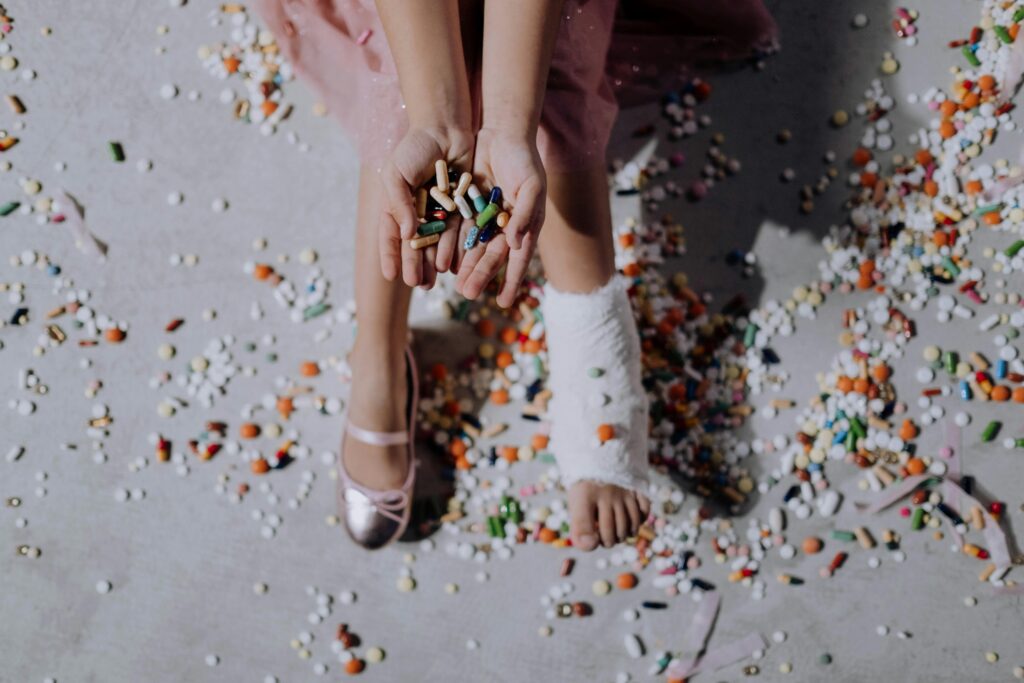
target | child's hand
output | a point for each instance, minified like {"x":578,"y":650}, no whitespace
{"x":511,"y":162}
{"x":410,"y":165}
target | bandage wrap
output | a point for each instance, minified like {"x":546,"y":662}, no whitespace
{"x":595,"y":334}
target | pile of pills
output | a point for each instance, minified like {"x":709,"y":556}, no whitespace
{"x":447,"y":193}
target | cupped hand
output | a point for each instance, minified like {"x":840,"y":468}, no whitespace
{"x":410,"y":165}
{"x":511,"y":162}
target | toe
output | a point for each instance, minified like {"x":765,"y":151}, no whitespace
{"x":621,"y":520}
{"x":633,"y":512}
{"x":581,"y":519}
{"x":606,"y":522}
{"x":645,"y":506}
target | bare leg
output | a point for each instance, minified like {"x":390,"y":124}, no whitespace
{"x":379,"y":390}
{"x":579,"y":256}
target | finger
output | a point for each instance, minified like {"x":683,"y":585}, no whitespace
{"x":518,"y":262}
{"x":633,"y":511}
{"x":390,"y":246}
{"x":606,"y":522}
{"x":621,"y":520}
{"x":582,"y":512}
{"x":467,"y":260}
{"x":429,"y":272}
{"x":446,"y":250}
{"x":528,"y":213}
{"x":412,"y":265}
{"x":399,"y":200}
{"x":486,"y":268}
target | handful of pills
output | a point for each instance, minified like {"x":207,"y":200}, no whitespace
{"x":449,"y":194}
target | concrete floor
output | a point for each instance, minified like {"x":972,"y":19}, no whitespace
{"x":183,"y":560}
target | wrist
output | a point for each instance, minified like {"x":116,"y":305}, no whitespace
{"x":510,"y":121}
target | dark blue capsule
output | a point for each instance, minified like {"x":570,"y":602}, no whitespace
{"x":495,"y":197}
{"x":488,"y":232}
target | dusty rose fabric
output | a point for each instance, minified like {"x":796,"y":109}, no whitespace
{"x":605,"y":56}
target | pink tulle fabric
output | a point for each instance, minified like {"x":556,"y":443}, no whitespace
{"x":607,"y":55}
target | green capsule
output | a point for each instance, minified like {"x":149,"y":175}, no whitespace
{"x":1012,"y":250}
{"x":857,"y":428}
{"x":969,"y":55}
{"x":313,"y":311}
{"x":1018,"y":443}
{"x":489,"y":213}
{"x":1003,"y":34}
{"x":9,"y":208}
{"x":840,"y":535}
{"x":750,"y":335}
{"x":1018,"y":15}
{"x":991,"y":430}
{"x":917,"y":520}
{"x":951,"y":267}
{"x":951,"y":358}
{"x":431,"y":228}
{"x":988,"y":208}
{"x":116,"y":151}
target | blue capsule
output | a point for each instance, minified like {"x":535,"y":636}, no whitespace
{"x":965,"y":390}
{"x":488,"y":232}
{"x":1001,"y":369}
{"x":471,"y":238}
{"x":495,"y":197}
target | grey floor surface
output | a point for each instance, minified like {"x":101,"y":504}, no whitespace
{"x":183,"y":560}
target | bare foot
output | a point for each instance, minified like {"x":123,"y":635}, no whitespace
{"x":604,"y":513}
{"x":378,"y":402}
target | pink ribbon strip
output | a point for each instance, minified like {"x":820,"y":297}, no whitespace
{"x":994,"y":536}
{"x":696,"y":639}
{"x":84,"y":239}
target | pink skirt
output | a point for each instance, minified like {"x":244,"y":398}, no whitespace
{"x":605,"y":57}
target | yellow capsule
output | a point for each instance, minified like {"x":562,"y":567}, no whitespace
{"x":441,"y":174}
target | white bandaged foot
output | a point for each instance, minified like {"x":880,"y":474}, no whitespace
{"x":594,"y":377}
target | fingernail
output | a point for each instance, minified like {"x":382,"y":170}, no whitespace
{"x":587,"y":539}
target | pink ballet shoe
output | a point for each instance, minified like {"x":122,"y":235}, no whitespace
{"x":372,"y":518}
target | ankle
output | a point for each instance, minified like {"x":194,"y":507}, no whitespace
{"x":377,"y":357}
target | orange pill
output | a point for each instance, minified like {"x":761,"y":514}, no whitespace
{"x":907,"y":430}
{"x":262,"y":271}
{"x":881,"y":372}
{"x":626,"y":240}
{"x":947,"y":130}
{"x":931,"y":188}
{"x":259,"y":466}
{"x":503,"y":359}
{"x":972,"y":186}
{"x":916,"y":466}
{"x":539,"y":442}
{"x":354,"y":666}
{"x":631,"y":270}
{"x":812,"y":545}
{"x":285,"y":407}
{"x":992,"y":218}
{"x":499,"y":397}
{"x":458,"y":448}
{"x":547,"y":535}
{"x":309,"y":369}
{"x":626,"y":580}
{"x":987,"y":82}
{"x":605,"y":432}
{"x":1000,"y":393}
{"x":948,"y":108}
{"x":844,"y":384}
{"x":868,"y":179}
{"x":249,"y":430}
{"x":231,"y":64}
{"x":114,"y":335}
{"x":509,"y":335}
{"x":861,"y":157}
{"x":861,"y":385}
{"x":532,"y":346}
{"x":509,"y":453}
{"x":923,"y":157}
{"x":1018,"y":395}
